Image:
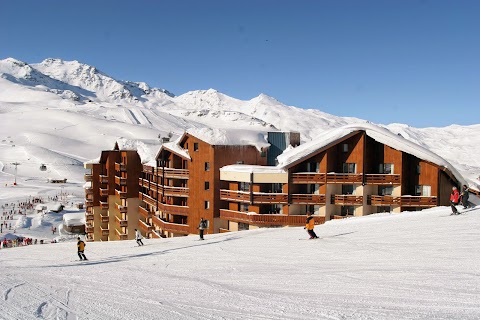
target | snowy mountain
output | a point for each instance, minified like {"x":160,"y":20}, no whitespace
{"x":61,"y":113}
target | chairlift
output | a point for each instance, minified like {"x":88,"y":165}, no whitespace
{"x":43,"y":167}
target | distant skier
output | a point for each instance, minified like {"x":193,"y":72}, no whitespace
{"x":201,"y":227}
{"x":310,"y":224}
{"x":454,"y":199}
{"x":81,"y":248}
{"x":464,"y":197}
{"x":138,"y":237}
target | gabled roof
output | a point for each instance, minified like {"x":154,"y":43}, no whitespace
{"x":293,"y":156}
{"x":174,"y":147}
{"x":229,"y":137}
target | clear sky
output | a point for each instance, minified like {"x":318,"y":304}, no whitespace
{"x":406,"y":61}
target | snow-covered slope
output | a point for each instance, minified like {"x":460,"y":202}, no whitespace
{"x":74,"y":110}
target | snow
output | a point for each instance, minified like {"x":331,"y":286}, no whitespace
{"x":251,"y":169}
{"x":413,"y":265}
{"x":74,"y":219}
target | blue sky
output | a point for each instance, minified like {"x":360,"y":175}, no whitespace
{"x":412,"y":62}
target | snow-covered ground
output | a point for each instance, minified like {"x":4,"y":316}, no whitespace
{"x":414,"y":265}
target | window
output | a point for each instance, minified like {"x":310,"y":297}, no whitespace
{"x":386,"y":168}
{"x":349,"y":168}
{"x":348,"y":189}
{"x":242,"y":226}
{"x":239,"y":162}
{"x":207,"y":204}
{"x":195,"y":146}
{"x":382,"y":209}
{"x":207,"y":166}
{"x":385,"y":190}
{"x":423,"y":190}
{"x":345,"y":147}
{"x":244,"y":186}
{"x":244,"y":207}
{"x":347,"y":210}
{"x":419,"y":169}
{"x":207,"y":185}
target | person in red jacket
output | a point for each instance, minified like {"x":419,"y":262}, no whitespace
{"x":454,"y":199}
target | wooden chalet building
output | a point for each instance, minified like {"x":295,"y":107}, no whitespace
{"x":350,"y":171}
{"x":111,"y":195}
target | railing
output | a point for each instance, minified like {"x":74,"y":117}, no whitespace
{"x":171,"y":227}
{"x":231,"y":195}
{"x":89,"y":217}
{"x":344,"y":178}
{"x":374,"y":200}
{"x":173,"y":209}
{"x":89,"y":197}
{"x":121,"y":194}
{"x":308,"y":177}
{"x":147,"y":199}
{"x":154,"y":234}
{"x":105,"y":231}
{"x":104,"y":205}
{"x":342,"y":199}
{"x":89,"y":209}
{"x":121,"y":222}
{"x":120,"y":167}
{"x":88,"y":190}
{"x":88,"y":203}
{"x":89,"y":229}
{"x":418,"y":201}
{"x":120,"y":181}
{"x":267,"y":219}
{"x":103,"y":179}
{"x":308,"y":198}
{"x":172,"y":173}
{"x":104,"y":217}
{"x":382,"y":179}
{"x":121,"y":236}
{"x":144,"y":227}
{"x":167,"y":190}
{"x":147,"y":169}
{"x":144,"y":212}
{"x":261,"y":197}
{"x":88,"y":177}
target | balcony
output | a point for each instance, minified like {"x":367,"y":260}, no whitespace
{"x":173,"y":209}
{"x":266,"y":197}
{"x":89,"y":228}
{"x":144,"y":213}
{"x":341,"y":199}
{"x":344,"y":178}
{"x":104,"y":217}
{"x":105,"y":231}
{"x":172,"y":173}
{"x":120,"y":235}
{"x":237,"y":196}
{"x":89,"y":210}
{"x":147,"y":199}
{"x":89,"y":197}
{"x":120,"y":181}
{"x":121,"y":194}
{"x":146,"y":228}
{"x":88,"y":190}
{"x":104,"y":205}
{"x":122,"y":209}
{"x":167,"y":190}
{"x":88,"y":177}
{"x":121,"y":222}
{"x":147,"y":169}
{"x":103,"y":179}
{"x":374,"y":200}
{"x":308,"y":178}
{"x":308,"y":198}
{"x":103,"y":192}
{"x":120,"y":167}
{"x":88,"y":204}
{"x":267,"y":219}
{"x":418,"y":201}
{"x":171,"y":227}
{"x":89,"y":217}
{"x":382,"y":179}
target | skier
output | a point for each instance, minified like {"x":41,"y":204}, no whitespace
{"x":310,"y":224}
{"x":464,"y":196}
{"x":454,"y":198}
{"x":81,"y":248}
{"x":201,"y":227}
{"x":138,"y":237}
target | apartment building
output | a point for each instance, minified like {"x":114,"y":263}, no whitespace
{"x":111,"y":195}
{"x":351,"y":171}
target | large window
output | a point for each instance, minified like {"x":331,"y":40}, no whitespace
{"x":347,"y":210}
{"x":244,"y":186}
{"x":386,"y":168}
{"x":423,"y":190}
{"x":385,"y":190}
{"x":349,"y":168}
{"x":348,"y":189}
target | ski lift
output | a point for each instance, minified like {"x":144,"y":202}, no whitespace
{"x":43,"y":167}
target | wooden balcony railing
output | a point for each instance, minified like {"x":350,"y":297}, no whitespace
{"x":144,"y":213}
{"x":88,"y":203}
{"x":144,"y":227}
{"x":172,"y":173}
{"x":89,"y":217}
{"x":104,"y":205}
{"x":88,"y":177}
{"x":262,"y":197}
{"x":88,"y":209}
{"x":103,"y":192}
{"x":121,"y":222}
{"x":121,"y":194}
{"x":173,"y":209}
{"x":88,"y":190}
{"x":120,"y":235}
{"x":120,"y":181}
{"x":120,"y":167}
{"x":103,"y":179}
{"x":167,"y":190}
{"x":341,"y":199}
{"x":104,"y":217}
{"x":147,"y":199}
{"x":147,"y":169}
{"x":105,"y":231}
{"x":267,"y":219}
{"x":89,"y":229}
{"x":122,"y":209}
{"x":374,"y":200}
{"x":308,"y":198}
{"x":309,"y":178}
{"x":344,"y":178}
{"x":154,"y":234}
{"x":232,"y":195}
{"x":170,"y":227}
{"x":418,"y":201}
{"x":382,"y":179}
{"x":89,"y":197}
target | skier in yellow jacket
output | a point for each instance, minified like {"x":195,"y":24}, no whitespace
{"x":310,"y":224}
{"x":81,"y":248}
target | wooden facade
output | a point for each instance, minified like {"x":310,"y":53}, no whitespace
{"x":112,"y":199}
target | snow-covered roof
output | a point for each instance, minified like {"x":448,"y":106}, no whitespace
{"x":96,"y":160}
{"x":233,"y":137}
{"x":252,"y":168}
{"x":375,"y":132}
{"x":74,"y":219}
{"x":175,"y":148}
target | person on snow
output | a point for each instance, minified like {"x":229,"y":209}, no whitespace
{"x":464,"y":196}
{"x":138,"y":237}
{"x":81,"y":248}
{"x":310,"y":224}
{"x":201,"y":227}
{"x":454,"y":199}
